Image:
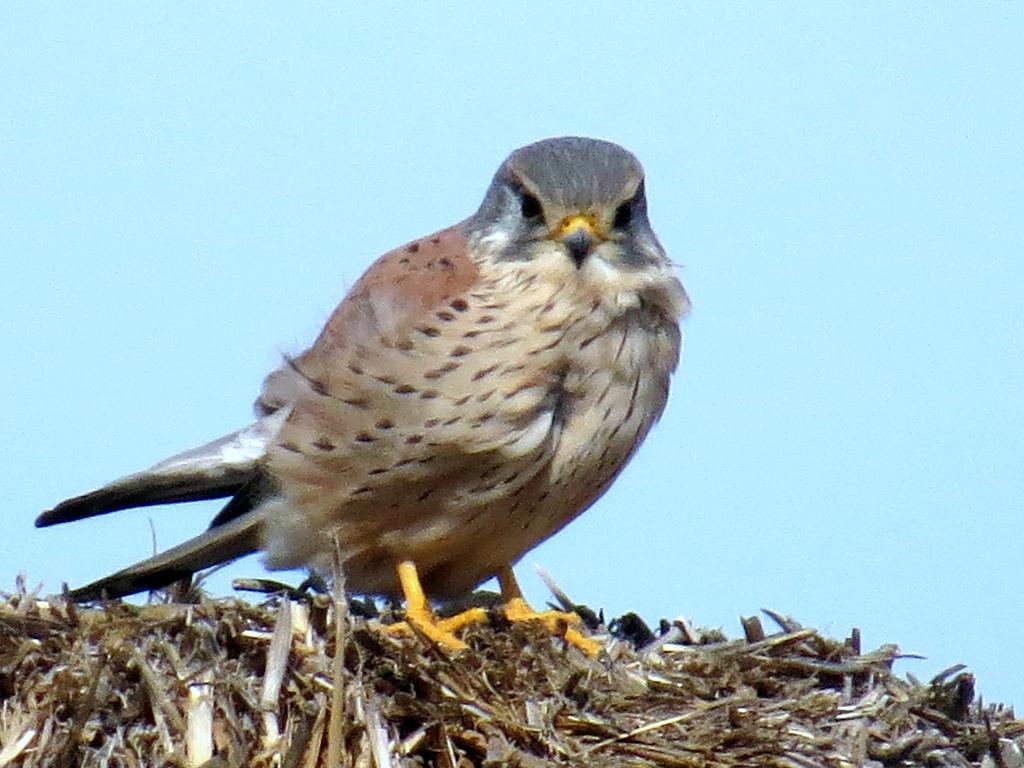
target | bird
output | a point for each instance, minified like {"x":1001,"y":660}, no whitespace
{"x":474,"y":392}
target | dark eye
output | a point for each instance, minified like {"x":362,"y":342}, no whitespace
{"x":623,"y":215}
{"x":530,"y":206}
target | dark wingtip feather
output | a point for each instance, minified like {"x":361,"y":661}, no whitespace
{"x":217,"y":469}
{"x":124,"y":583}
{"x":141,"y":492}
{"x":234,"y":539}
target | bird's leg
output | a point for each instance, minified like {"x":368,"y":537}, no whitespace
{"x":556,"y":622}
{"x":420,"y":619}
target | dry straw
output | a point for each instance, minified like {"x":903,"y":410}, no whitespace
{"x":228,"y":683}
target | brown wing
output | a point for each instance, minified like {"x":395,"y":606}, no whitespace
{"x":418,"y":405}
{"x":456,"y":416}
{"x":400,"y":289}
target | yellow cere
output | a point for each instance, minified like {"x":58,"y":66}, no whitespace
{"x":578,"y":221}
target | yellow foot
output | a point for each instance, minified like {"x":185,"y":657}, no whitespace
{"x":420,"y":620}
{"x":566,"y":625}
{"x":440,"y":632}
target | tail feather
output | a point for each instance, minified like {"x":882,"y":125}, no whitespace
{"x":212,"y":471}
{"x":230,"y":466}
{"x":231,"y":540}
{"x":143,"y":489}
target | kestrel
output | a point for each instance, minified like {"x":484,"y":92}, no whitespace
{"x":475,"y":391}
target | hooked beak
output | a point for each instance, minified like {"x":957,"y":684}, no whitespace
{"x":579,"y":234}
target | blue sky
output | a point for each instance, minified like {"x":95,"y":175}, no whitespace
{"x":188,"y":190}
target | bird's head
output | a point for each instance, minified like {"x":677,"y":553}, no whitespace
{"x":573,"y":205}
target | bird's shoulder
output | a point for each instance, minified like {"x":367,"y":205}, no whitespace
{"x":402,"y":287}
{"x":392,"y":307}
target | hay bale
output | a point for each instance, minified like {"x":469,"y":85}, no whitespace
{"x":229,"y":683}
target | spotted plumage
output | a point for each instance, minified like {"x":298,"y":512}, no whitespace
{"x":475,"y":391}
